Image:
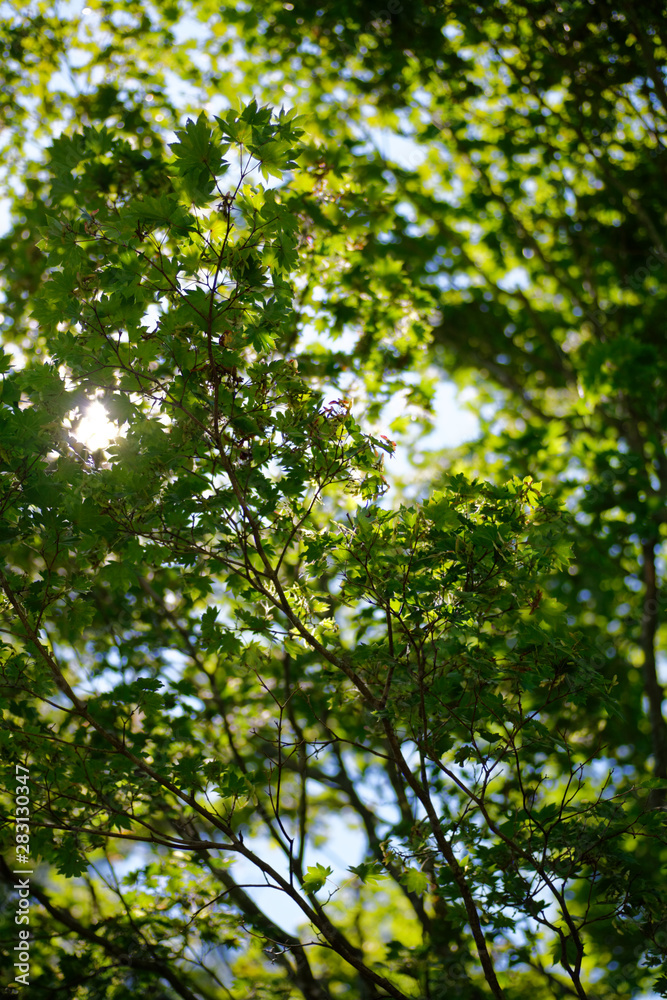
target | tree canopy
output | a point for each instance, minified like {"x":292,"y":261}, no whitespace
{"x":235,"y":639}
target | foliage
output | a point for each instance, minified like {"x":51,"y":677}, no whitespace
{"x":221,"y":631}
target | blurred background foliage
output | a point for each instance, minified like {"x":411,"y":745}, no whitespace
{"x":481,"y":199}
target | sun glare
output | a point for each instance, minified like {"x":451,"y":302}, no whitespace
{"x":95,"y":430}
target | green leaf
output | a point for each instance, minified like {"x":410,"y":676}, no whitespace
{"x":368,"y":872}
{"x":415,"y":881}
{"x":316,"y":877}
{"x":69,"y":861}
